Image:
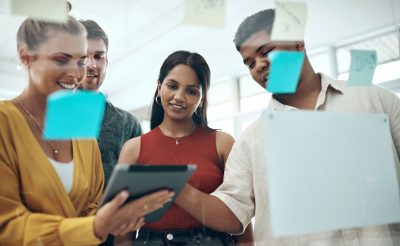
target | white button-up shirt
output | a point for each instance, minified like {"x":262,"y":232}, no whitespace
{"x":244,"y":189}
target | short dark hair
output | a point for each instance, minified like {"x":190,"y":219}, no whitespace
{"x":200,"y":66}
{"x":259,"y":21}
{"x":94,"y":31}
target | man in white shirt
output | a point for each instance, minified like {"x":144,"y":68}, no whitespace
{"x":244,"y":192}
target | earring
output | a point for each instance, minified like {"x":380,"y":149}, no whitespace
{"x":155,"y":99}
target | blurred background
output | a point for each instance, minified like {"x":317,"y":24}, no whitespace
{"x":142,"y":33}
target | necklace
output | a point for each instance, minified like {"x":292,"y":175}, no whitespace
{"x":27,"y":112}
{"x":177,"y":139}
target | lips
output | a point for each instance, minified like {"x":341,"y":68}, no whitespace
{"x":65,"y":85}
{"x":91,"y":78}
{"x":175,"y":106}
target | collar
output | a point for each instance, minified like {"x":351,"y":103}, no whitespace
{"x":327,"y":84}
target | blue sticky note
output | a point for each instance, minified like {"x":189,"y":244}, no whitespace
{"x":73,"y":115}
{"x":362,"y":68}
{"x":285,"y":68}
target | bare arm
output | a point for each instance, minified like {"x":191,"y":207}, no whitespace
{"x":208,"y":209}
{"x":246,"y":239}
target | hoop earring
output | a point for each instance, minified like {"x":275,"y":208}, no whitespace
{"x":155,"y":99}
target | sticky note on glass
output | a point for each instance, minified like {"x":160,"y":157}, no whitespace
{"x":313,"y":188}
{"x":5,"y":7}
{"x":362,"y":68}
{"x":290,"y":21}
{"x":50,"y":10}
{"x":207,"y":13}
{"x":73,"y":115}
{"x":284,"y":71}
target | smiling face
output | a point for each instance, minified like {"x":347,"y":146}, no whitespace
{"x":96,"y":64}
{"x":180,"y":93}
{"x":254,"y":52}
{"x":58,"y":63}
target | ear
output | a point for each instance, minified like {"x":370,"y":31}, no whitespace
{"x":106,"y":61}
{"x":300,"y":46}
{"x":158,"y":87}
{"x":24,"y":56}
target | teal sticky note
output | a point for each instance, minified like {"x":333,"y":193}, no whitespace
{"x":73,"y":115}
{"x":284,"y":73}
{"x":362,"y":68}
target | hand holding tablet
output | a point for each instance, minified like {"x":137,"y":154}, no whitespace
{"x":118,"y":219}
{"x":141,"y":180}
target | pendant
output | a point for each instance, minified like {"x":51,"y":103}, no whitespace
{"x":177,"y":141}
{"x":55,"y":152}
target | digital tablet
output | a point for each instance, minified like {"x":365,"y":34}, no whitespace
{"x":141,"y":180}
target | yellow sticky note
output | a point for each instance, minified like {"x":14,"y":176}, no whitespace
{"x":207,"y":13}
{"x":290,"y":21}
{"x":50,"y":10}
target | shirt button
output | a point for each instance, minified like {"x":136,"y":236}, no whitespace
{"x":170,"y":236}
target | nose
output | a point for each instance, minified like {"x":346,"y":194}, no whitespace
{"x":262,"y":64}
{"x":179,"y":95}
{"x":76,"y":72}
{"x":91,"y":63}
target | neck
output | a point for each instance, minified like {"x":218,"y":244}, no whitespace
{"x":307,"y":91}
{"x":34,"y":102}
{"x":177,"y":128}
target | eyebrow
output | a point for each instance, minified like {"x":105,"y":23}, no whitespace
{"x":175,"y":81}
{"x":68,"y":55}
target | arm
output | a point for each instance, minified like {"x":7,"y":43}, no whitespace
{"x":23,"y":227}
{"x":208,"y":209}
{"x":97,"y":181}
{"x":224,"y":143}
{"x":231,"y":207}
{"x":129,"y":154}
{"x":246,"y":239}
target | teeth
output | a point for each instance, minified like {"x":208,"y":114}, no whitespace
{"x":67,"y":86}
{"x":176,"y":106}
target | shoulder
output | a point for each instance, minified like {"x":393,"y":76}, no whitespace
{"x":9,"y":114}
{"x":130,"y":151}
{"x":224,"y":142}
{"x":132,"y":144}
{"x":223,"y":137}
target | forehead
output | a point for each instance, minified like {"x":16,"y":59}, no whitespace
{"x":64,"y":42}
{"x":184,"y":75}
{"x":255,"y":41}
{"x":96,"y":45}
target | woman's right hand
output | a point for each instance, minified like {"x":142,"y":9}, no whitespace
{"x":113,"y":218}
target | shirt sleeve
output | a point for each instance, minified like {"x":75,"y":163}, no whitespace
{"x":97,"y":181}
{"x":236,"y":191}
{"x":19,"y":226}
{"x":391,"y":104}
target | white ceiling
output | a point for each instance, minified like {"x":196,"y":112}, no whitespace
{"x":143,"y":33}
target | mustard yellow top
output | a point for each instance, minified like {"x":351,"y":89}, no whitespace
{"x":35,"y":208}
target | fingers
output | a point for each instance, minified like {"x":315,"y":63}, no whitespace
{"x":152,"y":202}
{"x":101,"y":224}
{"x":116,"y":203}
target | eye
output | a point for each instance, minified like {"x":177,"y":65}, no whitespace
{"x":251,"y":65}
{"x":82,"y":62}
{"x":100,"y":56}
{"x":61,"y":61}
{"x":172,"y":86}
{"x":193,"y":92}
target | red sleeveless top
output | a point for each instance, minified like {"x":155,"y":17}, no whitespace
{"x":198,"y":148}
